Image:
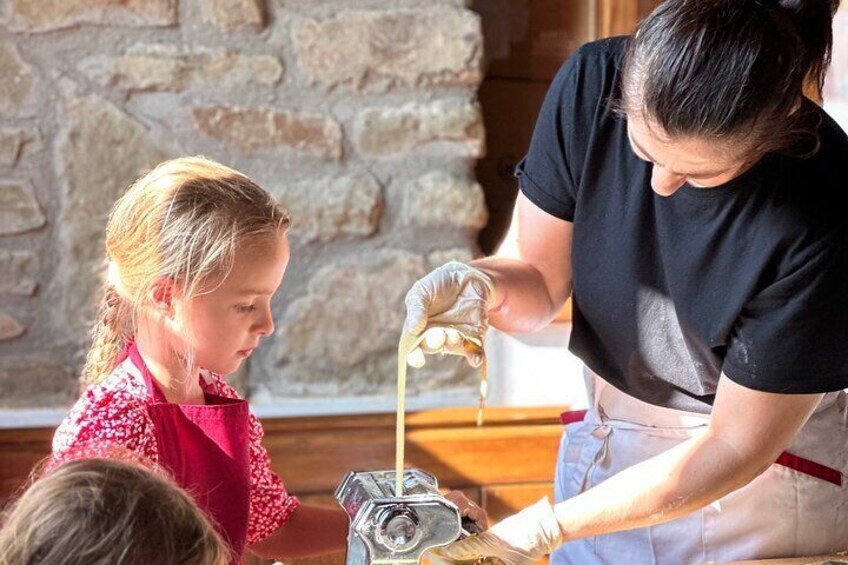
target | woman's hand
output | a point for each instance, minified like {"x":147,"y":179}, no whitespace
{"x":449,"y":308}
{"x":521,"y":539}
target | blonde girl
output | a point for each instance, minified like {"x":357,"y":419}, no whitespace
{"x":195,"y":251}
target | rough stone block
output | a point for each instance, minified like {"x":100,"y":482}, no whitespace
{"x":327,"y":208}
{"x":378,"y":50}
{"x":253,"y":129}
{"x":438,"y":198}
{"x":387,"y":131}
{"x":101,"y":151}
{"x":47,"y":15}
{"x":19,"y":210}
{"x":341,"y":338}
{"x":36,"y":383}
{"x":17,"y":143}
{"x":11,"y":141}
{"x":10,"y":328}
{"x":17,"y":83}
{"x":166,"y":68}
{"x":18,"y":272}
{"x":350,"y":311}
{"x":230,"y":15}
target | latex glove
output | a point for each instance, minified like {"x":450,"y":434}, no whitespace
{"x":521,"y":539}
{"x":449,"y":307}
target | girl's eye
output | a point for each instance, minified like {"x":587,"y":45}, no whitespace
{"x":245,"y":308}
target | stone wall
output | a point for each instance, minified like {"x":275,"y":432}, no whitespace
{"x":359,"y":115}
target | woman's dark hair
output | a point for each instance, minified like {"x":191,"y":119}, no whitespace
{"x":729,"y":69}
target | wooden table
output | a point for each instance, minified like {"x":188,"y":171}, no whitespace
{"x":813,"y":560}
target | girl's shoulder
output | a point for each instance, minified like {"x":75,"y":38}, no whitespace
{"x":114,"y":410}
{"x":123,"y":390}
{"x":124,"y":382}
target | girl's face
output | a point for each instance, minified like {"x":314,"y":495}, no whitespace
{"x":697,"y":162}
{"x":227,"y":324}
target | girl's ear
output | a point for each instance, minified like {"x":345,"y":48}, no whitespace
{"x":161,"y":295}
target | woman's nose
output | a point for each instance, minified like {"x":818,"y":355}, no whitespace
{"x":665,"y":183}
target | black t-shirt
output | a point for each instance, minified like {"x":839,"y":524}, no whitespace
{"x":749,"y":278}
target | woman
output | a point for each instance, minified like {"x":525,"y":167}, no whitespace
{"x":682,"y":190}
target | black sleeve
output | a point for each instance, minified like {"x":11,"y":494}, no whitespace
{"x":793,"y":335}
{"x":544,"y":175}
{"x":549,"y":175}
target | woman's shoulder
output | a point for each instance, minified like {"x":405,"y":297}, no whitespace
{"x":807,"y":187}
{"x":607,"y":47}
{"x":600,"y":55}
{"x":588,"y":79}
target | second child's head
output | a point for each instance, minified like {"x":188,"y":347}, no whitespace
{"x":101,"y":511}
{"x":195,"y":252}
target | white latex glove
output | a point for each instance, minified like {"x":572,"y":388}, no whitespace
{"x":521,"y":539}
{"x":449,"y":306}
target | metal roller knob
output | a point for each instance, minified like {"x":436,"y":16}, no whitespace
{"x":399,"y":529}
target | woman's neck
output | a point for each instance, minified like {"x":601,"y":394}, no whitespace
{"x":168,"y":369}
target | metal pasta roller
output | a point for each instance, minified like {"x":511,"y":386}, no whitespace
{"x":386,"y":529}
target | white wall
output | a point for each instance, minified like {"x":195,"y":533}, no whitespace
{"x":535,"y":369}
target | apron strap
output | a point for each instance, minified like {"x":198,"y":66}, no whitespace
{"x":152,"y":388}
{"x":810,"y":468}
{"x":572,"y":416}
{"x":805,"y":466}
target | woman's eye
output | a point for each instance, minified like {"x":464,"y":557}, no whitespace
{"x":244,"y":308}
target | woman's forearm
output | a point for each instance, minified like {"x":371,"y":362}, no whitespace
{"x":663,"y":488}
{"x":524,"y":300}
{"x":747,"y":432}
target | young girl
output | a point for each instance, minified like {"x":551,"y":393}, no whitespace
{"x":195,"y":251}
{"x":98,"y":510}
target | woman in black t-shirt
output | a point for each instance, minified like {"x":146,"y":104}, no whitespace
{"x":684,"y":192}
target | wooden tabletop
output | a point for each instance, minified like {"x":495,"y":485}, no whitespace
{"x":812,"y":560}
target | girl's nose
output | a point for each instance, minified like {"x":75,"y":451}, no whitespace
{"x":664,"y":182}
{"x":266,"y":325}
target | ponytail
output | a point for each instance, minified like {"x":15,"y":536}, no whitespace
{"x":812,"y":21}
{"x":108,"y":337}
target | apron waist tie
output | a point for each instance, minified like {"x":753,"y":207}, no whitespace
{"x":805,"y":466}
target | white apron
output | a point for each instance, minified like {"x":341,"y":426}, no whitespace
{"x":785,"y":512}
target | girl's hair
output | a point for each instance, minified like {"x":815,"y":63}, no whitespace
{"x":732,"y":70}
{"x":105,"y":512}
{"x":183,"y":221}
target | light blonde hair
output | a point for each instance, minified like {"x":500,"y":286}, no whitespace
{"x":182,"y":221}
{"x":106,"y":512}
